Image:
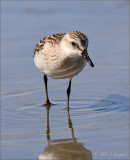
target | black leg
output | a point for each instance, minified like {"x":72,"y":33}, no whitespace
{"x":68,"y":93}
{"x":47,"y":99}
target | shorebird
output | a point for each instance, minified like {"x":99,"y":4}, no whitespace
{"x":62,"y":56}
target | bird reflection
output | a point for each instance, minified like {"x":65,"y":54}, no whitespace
{"x":64,"y":149}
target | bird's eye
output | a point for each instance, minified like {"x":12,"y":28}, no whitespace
{"x":73,"y":44}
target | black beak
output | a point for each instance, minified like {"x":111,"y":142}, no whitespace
{"x":86,"y":56}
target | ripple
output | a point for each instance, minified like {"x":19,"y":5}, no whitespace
{"x":109,"y":105}
{"x":88,"y":115}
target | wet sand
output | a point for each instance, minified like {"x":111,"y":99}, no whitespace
{"x":97,"y":125}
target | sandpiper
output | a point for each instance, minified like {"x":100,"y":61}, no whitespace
{"x":62,"y":56}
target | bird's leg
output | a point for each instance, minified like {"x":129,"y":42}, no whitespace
{"x":68,"y":93}
{"x":47,"y":99}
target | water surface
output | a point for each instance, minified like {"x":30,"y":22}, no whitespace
{"x":97,"y":125}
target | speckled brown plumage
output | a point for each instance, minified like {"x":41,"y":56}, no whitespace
{"x":39,"y":45}
{"x":79,"y":35}
{"x":55,"y":38}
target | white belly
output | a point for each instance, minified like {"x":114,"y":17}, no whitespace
{"x":69,"y":71}
{"x":59,"y":68}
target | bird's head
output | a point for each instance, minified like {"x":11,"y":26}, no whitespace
{"x":75,"y":43}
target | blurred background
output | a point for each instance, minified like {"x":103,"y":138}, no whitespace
{"x":100,"y":95}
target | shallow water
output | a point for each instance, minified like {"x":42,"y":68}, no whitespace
{"x":97,"y":125}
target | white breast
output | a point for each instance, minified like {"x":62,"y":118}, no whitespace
{"x":59,"y":67}
{"x":68,"y":69}
{"x":40,"y":62}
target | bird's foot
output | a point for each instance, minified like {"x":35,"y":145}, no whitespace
{"x":48,"y":103}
